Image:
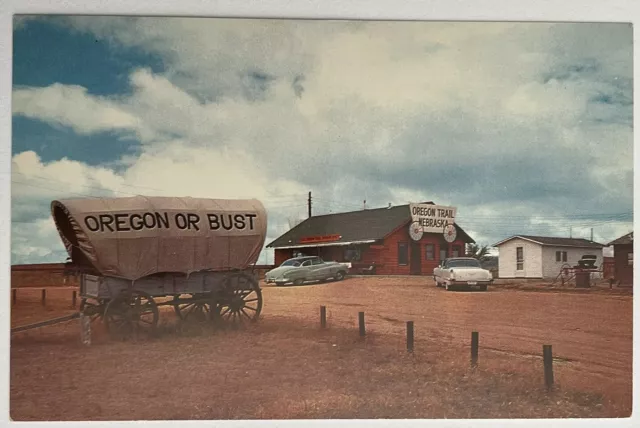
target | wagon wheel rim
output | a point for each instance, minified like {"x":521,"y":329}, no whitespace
{"x":241,"y":300}
{"x":130,"y":315}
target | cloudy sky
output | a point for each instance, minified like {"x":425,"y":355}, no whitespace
{"x":525,"y":128}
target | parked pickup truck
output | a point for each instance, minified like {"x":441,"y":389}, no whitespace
{"x":299,"y":270}
{"x":462,"y":271}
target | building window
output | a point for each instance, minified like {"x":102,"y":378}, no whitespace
{"x":403,"y":253}
{"x":519,"y":258}
{"x":561,"y":256}
{"x":430,"y":252}
{"x":443,"y":255}
{"x":456,"y":251}
{"x":630,"y":259}
{"x":352,"y":254}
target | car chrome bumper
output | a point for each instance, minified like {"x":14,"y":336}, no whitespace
{"x":470,"y":283}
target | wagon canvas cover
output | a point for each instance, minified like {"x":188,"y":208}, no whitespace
{"x":138,"y":236}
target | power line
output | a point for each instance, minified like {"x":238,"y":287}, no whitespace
{"x":55,"y":190}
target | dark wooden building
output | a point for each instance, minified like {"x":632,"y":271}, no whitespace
{"x":369,"y":238}
{"x":623,"y":259}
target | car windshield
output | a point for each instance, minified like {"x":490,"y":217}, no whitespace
{"x":463,"y":263}
{"x":294,"y":263}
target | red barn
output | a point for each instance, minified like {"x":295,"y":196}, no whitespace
{"x":623,"y":259}
{"x":375,"y":240}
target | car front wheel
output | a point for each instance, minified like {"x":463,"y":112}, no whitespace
{"x":339,"y":276}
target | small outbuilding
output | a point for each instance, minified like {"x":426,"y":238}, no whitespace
{"x":623,"y":259}
{"x":373,"y":241}
{"x":526,"y":256}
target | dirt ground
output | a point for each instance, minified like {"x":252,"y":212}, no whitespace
{"x":285,"y":366}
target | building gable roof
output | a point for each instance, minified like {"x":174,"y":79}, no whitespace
{"x":554,"y":241}
{"x":354,"y":226}
{"x":623,"y":240}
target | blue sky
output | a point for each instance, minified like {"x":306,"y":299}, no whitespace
{"x":526,"y":128}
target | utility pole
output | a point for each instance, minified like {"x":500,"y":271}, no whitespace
{"x":570,"y":232}
{"x":364,"y":204}
{"x":592,"y":234}
{"x":309,"y":204}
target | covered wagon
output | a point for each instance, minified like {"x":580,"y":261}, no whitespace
{"x":138,"y":253}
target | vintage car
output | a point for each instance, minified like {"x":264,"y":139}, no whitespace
{"x":299,"y":270}
{"x":462,"y":271}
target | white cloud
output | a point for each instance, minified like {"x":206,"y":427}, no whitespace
{"x":72,"y":106}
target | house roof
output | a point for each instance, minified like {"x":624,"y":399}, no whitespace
{"x":352,"y":227}
{"x":554,"y":241}
{"x":623,"y":240}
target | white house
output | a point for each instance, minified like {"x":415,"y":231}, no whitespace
{"x":525,"y":256}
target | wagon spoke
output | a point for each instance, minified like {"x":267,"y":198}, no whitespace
{"x":130,"y":313}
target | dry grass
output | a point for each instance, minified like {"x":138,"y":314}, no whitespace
{"x":286,"y":367}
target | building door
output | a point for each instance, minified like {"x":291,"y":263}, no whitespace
{"x":416,"y":259}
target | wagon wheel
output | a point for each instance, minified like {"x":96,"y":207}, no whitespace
{"x":240,"y":299}
{"x":91,"y":310}
{"x":197,"y":309}
{"x":131,"y":314}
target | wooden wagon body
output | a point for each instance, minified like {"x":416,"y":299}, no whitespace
{"x":136,"y":254}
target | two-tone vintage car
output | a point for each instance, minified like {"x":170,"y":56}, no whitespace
{"x":462,"y":271}
{"x":299,"y":270}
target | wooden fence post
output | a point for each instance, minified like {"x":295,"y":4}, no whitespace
{"x":73,"y":298}
{"x":361,"y":323}
{"x":323,"y":316}
{"x":547,"y":356}
{"x":14,"y":296}
{"x":475,"y":339}
{"x":410,"y":336}
{"x":44,"y":296}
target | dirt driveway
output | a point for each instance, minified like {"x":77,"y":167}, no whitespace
{"x":591,"y":335}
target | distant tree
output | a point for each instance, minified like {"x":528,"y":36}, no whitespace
{"x":480,"y":252}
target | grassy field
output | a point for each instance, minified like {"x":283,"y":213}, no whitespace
{"x":286,"y":367}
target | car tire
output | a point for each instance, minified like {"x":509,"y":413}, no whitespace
{"x":298,"y":281}
{"x":339,"y":276}
{"x":483,"y":287}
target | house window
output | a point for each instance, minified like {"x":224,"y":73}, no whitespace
{"x":352,"y":254}
{"x":403,"y":253}
{"x":561,"y":256}
{"x":456,"y":251}
{"x":430,"y":252}
{"x":519,"y":258}
{"x":630,"y":259}
{"x":443,"y":254}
